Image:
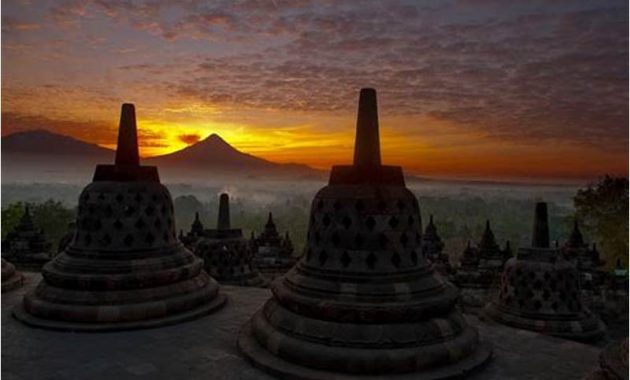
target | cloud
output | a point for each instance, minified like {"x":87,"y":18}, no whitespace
{"x":189,"y":139}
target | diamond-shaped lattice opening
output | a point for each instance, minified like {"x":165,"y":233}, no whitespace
{"x":119,"y":198}
{"x":396,"y":259}
{"x":97,"y":224}
{"x":554,"y":306}
{"x":410,"y":221}
{"x":326,"y":220}
{"x":317,"y":237}
{"x":154,"y":197}
{"x":106,"y":240}
{"x":537,"y":305}
{"x":149,"y":210}
{"x":140,"y":224}
{"x":370,"y":223}
{"x":320,"y":204}
{"x":165,"y":236}
{"x":537,"y":285}
{"x":383,"y":240}
{"x":546,"y":295}
{"x":346,"y":221}
{"x":87,"y":240}
{"x":163,"y":209}
{"x":128,"y":240}
{"x":418,"y":237}
{"x":157,"y":223}
{"x":414,"y":257}
{"x":393,"y":222}
{"x":129,"y":210}
{"x":169,"y":222}
{"x":323,"y":256}
{"x":370,"y":260}
{"x":108,"y":211}
{"x":358,"y":240}
{"x":138,"y":197}
{"x":101,"y":196}
{"x":337,"y":205}
{"x":118,"y":224}
{"x":345,"y":259}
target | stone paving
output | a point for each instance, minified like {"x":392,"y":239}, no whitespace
{"x":206,"y":349}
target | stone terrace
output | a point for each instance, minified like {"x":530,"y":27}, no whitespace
{"x":206,"y":349}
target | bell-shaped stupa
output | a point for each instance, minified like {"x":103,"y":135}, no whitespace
{"x":226,"y":253}
{"x":363,"y":300}
{"x":540,"y":291}
{"x":125,"y":267}
{"x":11,"y":279}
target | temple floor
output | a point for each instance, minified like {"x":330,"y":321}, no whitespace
{"x":206,"y":348}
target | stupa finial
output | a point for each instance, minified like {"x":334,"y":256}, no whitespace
{"x":224,"y":212}
{"x":540,"y":237}
{"x":367,"y":150}
{"x":127,"y":149}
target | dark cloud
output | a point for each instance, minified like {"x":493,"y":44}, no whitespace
{"x":515,"y":70}
{"x":189,"y":139}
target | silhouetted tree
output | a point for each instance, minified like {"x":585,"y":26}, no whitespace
{"x":603,"y":212}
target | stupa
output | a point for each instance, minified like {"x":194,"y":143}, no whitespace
{"x":540,"y":291}
{"x":362,"y":300}
{"x":226,"y":253}
{"x":11,"y":279}
{"x":196,"y":232}
{"x":125,"y":267}
{"x":273,"y":253}
{"x":432,"y":249}
{"x":26,"y":245}
{"x":480,"y":271}
{"x":586,"y":260}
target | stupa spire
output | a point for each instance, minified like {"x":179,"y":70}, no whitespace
{"x":367,"y":150}
{"x":127,"y":149}
{"x":540,"y":237}
{"x":224,"y":212}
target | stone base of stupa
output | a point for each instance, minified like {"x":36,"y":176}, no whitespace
{"x":586,"y":327}
{"x":11,"y":279}
{"x":189,"y":315}
{"x":271,"y":363}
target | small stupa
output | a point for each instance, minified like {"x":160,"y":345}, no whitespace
{"x":226,"y":253}
{"x":26,"y":245}
{"x":432,"y":249}
{"x":273,"y":253}
{"x":540,"y":291}
{"x":196,"y":232}
{"x":11,"y":279}
{"x":125,"y":267}
{"x":480,"y":270}
{"x":362,"y":300}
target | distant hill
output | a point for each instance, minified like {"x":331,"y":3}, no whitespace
{"x":42,"y":142}
{"x":43,"y":156}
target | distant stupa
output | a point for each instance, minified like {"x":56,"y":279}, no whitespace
{"x":125,"y":267}
{"x":11,"y":279}
{"x":226,"y":253}
{"x":26,"y":245}
{"x":273,"y":254}
{"x":540,"y":291}
{"x":362,"y":300}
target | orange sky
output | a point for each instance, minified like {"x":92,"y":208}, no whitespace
{"x":466,"y":89}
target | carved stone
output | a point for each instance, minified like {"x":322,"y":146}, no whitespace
{"x":226,"y":253}
{"x":11,"y":279}
{"x":125,"y":267}
{"x":362,"y":300}
{"x":540,"y":291}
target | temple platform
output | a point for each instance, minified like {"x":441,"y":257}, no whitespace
{"x":206,"y":348}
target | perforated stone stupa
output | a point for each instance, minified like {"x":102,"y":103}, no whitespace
{"x":226,"y":253}
{"x":273,"y":253}
{"x":432,"y":250}
{"x":362,"y":300}
{"x":11,"y":279}
{"x":480,"y":269}
{"x":540,"y":291}
{"x":26,"y":245}
{"x":125,"y":267}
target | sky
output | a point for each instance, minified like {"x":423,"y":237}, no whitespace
{"x":466,"y":89}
